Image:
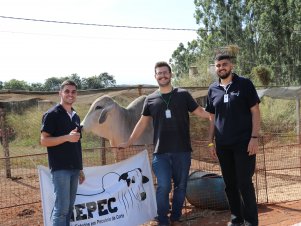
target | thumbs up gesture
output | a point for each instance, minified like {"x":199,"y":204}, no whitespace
{"x":74,"y":136}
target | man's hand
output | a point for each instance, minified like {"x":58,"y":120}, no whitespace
{"x":82,"y":177}
{"x":253,"y":146}
{"x":73,"y":136}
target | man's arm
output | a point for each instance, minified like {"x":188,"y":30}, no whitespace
{"x":138,"y":130}
{"x":200,"y":112}
{"x":211,"y":144}
{"x":253,"y":144}
{"x":255,"y":120}
{"x":48,"y":141}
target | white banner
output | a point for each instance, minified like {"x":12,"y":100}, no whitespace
{"x":117,"y":194}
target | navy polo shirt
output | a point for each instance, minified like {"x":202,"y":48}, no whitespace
{"x":67,"y":155}
{"x":233,"y":119}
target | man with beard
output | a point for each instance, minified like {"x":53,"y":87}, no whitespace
{"x":168,"y":108}
{"x":233,"y":104}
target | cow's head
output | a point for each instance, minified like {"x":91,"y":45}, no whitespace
{"x":99,"y":115}
{"x":134,"y":178}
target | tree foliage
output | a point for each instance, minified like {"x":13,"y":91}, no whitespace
{"x":183,"y":58}
{"x":53,"y":83}
{"x":97,"y":82}
{"x":268,"y":33}
{"x":15,"y":84}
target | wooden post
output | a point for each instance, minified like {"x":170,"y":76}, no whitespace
{"x":298,"y":118}
{"x":139,"y":90}
{"x":4,"y":141}
{"x":298,"y":125}
{"x":103,"y":151}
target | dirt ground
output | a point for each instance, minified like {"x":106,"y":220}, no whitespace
{"x":281,"y":214}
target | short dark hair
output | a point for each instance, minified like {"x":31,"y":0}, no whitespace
{"x":67,"y":82}
{"x":223,"y":56}
{"x":162,"y":64}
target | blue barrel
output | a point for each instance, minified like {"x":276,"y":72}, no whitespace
{"x":206,"y":191}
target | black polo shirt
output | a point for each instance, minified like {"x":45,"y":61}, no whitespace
{"x":67,"y":155}
{"x":171,"y":134}
{"x":233,"y":119}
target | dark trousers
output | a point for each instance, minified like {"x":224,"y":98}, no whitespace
{"x":237,"y":170}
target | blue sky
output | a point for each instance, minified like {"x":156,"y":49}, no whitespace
{"x":34,"y":51}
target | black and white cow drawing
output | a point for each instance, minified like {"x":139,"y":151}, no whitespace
{"x":128,"y":188}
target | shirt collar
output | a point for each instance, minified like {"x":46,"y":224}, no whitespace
{"x":234,"y":79}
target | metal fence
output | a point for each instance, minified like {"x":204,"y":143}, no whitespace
{"x":277,"y":177}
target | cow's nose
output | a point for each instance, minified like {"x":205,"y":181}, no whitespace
{"x":143,"y":196}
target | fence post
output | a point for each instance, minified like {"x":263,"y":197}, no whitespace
{"x":103,"y":151}
{"x":4,"y":142}
{"x":298,"y":119}
{"x":139,"y":90}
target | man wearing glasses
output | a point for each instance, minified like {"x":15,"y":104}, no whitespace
{"x":168,"y":108}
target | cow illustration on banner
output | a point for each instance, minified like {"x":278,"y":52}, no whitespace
{"x":121,"y":193}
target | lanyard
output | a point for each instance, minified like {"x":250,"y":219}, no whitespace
{"x":166,"y":102}
{"x":226,"y":87}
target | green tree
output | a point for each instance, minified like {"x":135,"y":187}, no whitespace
{"x":277,"y":26}
{"x":268,"y":33}
{"x":53,"y":83}
{"x":183,"y":58}
{"x":107,"y":79}
{"x":74,"y":77}
{"x":15,"y":84}
{"x":36,"y":87}
{"x":98,"y":82}
{"x":1,"y":85}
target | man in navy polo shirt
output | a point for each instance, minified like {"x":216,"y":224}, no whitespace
{"x":60,"y":133}
{"x":234,"y":107}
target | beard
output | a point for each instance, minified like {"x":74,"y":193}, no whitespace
{"x":225,"y":75}
{"x":165,"y":83}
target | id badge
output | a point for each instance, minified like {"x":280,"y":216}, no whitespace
{"x":168,"y":113}
{"x":226,"y":98}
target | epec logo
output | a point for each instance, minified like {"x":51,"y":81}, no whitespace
{"x":130,"y":195}
{"x":100,"y":208}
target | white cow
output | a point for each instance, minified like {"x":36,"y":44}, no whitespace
{"x":108,"y":119}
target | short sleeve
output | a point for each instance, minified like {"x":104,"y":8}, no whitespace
{"x":191,"y":102}
{"x":251,"y":94}
{"x":209,"y":105}
{"x":48,"y":123}
{"x":145,"y":109}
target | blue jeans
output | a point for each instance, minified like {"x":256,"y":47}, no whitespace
{"x":65,"y":184}
{"x":169,"y":166}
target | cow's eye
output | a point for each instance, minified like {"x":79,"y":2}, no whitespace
{"x":98,"y":108}
{"x":133,"y":179}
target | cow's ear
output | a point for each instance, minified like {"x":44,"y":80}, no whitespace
{"x":145,"y":179}
{"x":123,"y":176}
{"x":103,"y":116}
{"x":139,"y":169}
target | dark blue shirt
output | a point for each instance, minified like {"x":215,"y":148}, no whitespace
{"x":233,"y":118}
{"x":171,"y":134}
{"x":67,"y":155}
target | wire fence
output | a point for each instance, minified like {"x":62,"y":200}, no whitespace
{"x":277,"y":178}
